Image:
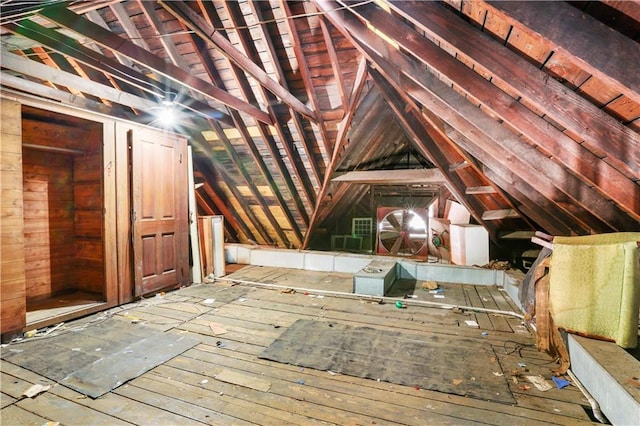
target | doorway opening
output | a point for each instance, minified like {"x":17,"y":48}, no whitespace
{"x":63,"y":196}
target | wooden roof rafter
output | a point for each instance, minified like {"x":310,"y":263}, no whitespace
{"x":432,"y":145}
{"x":96,"y":18}
{"x":12,"y":12}
{"x":70,"y":47}
{"x":228,"y":180}
{"x":598,"y":133}
{"x":284,"y":136}
{"x":62,"y":78}
{"x":345,"y":195}
{"x":557,"y":24}
{"x":242,"y":83}
{"x":545,"y":214}
{"x":335,"y":62}
{"x":304,"y":72}
{"x":196,"y":23}
{"x":209,"y":66}
{"x":354,"y":98}
{"x":177,"y":75}
{"x":233,"y":155}
{"x":24,"y":85}
{"x":595,"y":211}
{"x":608,"y":180}
{"x":237,"y":58}
{"x":231,"y":216}
{"x":44,"y":58}
{"x":495,"y":145}
{"x":250,"y":50}
{"x":160,"y":30}
{"x":207,"y":206}
{"x":129,"y":28}
{"x":255,"y":192}
{"x":370,"y":109}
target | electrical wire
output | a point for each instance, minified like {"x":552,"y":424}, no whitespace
{"x":302,"y":15}
{"x":349,"y":295}
{"x":151,"y":88}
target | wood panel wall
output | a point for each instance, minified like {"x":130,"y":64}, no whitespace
{"x":88,"y":223}
{"x":12,"y":278}
{"x":48,"y":223}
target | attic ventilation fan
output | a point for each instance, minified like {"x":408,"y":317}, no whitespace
{"x":402,"y":231}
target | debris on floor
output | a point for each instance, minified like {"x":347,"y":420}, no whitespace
{"x":241,"y":379}
{"x":217,"y":328}
{"x":429,"y":285}
{"x":36,"y":390}
{"x":540,"y":383}
{"x":500,"y":265}
{"x":560,"y":382}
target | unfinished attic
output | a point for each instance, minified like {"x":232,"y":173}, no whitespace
{"x":325,"y":211}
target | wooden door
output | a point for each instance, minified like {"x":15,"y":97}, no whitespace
{"x":159,"y":210}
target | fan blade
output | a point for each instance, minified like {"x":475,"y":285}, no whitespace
{"x":405,"y":220}
{"x":396,"y":245}
{"x":391,"y":217}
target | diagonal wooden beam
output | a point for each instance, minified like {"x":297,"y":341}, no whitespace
{"x":306,"y":76}
{"x":207,"y":207}
{"x":41,"y":56}
{"x":219,"y":169}
{"x":70,"y":47}
{"x":335,"y":63}
{"x":603,"y":215}
{"x":604,"y":53}
{"x":125,"y":21}
{"x":107,"y":39}
{"x":237,"y":18}
{"x":250,"y":182}
{"x":210,"y":200}
{"x":370,"y":109}
{"x":204,"y":164}
{"x":608,"y":180}
{"x":358,"y":86}
{"x":563,"y":190}
{"x":284,"y":135}
{"x":62,"y":78}
{"x":196,"y":23}
{"x":593,"y":128}
{"x":531,"y":203}
{"x":27,"y":86}
{"x":431,"y":145}
{"x":160,"y":29}
{"x":346,"y":195}
{"x":96,"y":18}
{"x":13,"y":11}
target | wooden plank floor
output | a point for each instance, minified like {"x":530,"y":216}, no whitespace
{"x":185,"y":390}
